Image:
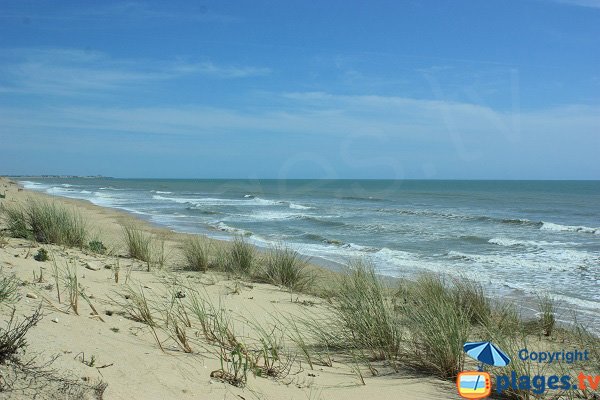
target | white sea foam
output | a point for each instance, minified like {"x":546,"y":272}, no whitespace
{"x":221,"y":226}
{"x":550,"y":226}
{"x":161,"y":192}
{"x":506,"y":242}
{"x":210,"y":201}
{"x":299,"y":207}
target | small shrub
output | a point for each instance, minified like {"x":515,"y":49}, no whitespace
{"x":41,"y":255}
{"x":196,"y":252}
{"x":287,"y":268}
{"x":138,"y":243}
{"x":97,"y":247}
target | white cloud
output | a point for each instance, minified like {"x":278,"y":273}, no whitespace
{"x":67,"y":72}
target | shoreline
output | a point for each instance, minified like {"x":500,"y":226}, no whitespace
{"x":137,"y":366}
{"x":527,"y":302}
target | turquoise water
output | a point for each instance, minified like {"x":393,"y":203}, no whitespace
{"x":521,"y":237}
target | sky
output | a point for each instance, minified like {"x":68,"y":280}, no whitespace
{"x":407,"y":89}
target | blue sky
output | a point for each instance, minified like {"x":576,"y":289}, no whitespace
{"x":298,"y":89}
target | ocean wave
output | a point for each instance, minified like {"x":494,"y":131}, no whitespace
{"x":33,"y":185}
{"x":506,"y":242}
{"x":474,"y":239}
{"x":322,"y":220}
{"x":221,"y":226}
{"x":550,"y":226}
{"x":299,"y":207}
{"x":465,"y":217}
{"x":369,"y":198}
{"x":202,"y":210}
{"x":161,"y":192}
{"x":315,"y":237}
{"x":256,"y":201}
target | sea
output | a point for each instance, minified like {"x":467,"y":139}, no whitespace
{"x":519,"y":239}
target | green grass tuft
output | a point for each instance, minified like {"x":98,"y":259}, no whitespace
{"x":138,"y":243}
{"x":364,"y":314}
{"x":46,"y":222}
{"x":286,"y":267}
{"x":196,"y":252}
{"x":438,"y":326}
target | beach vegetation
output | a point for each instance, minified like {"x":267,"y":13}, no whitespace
{"x":159,"y":254}
{"x":12,"y":336}
{"x":439,"y":325}
{"x":363,"y":313}
{"x":547,"y":311}
{"x":239,"y":258}
{"x":285,"y":267}
{"x":138,"y":243}
{"x":196,"y":251}
{"x":97,"y":246}
{"x":71,"y":284}
{"x":41,"y":255}
{"x":137,"y":307}
{"x":470,"y":298}
{"x":9,"y":285}
{"x":46,"y":222}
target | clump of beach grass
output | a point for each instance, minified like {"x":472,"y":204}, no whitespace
{"x":46,"y":222}
{"x":286,"y":267}
{"x":438,"y":326}
{"x":547,"y":310}
{"x":138,"y":243}
{"x":364,"y":316}
{"x":136,"y":306}
{"x":470,"y":298}
{"x":12,"y":337}
{"x":196,"y":253}
{"x":71,"y":284}
{"x":8,"y":289}
{"x":238,"y":259}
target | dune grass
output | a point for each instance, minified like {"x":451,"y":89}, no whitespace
{"x":196,"y":251}
{"x":364,"y":317}
{"x":547,"y":311}
{"x":138,"y":243}
{"x":46,"y":222}
{"x":8,"y":288}
{"x":238,"y":259}
{"x":438,"y":325}
{"x":286,"y":267}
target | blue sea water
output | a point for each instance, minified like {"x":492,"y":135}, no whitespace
{"x":516,"y":237}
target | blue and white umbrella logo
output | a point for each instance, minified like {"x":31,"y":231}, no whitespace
{"x":486,"y":353}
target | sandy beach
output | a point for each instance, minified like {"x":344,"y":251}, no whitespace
{"x":124,"y":353}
